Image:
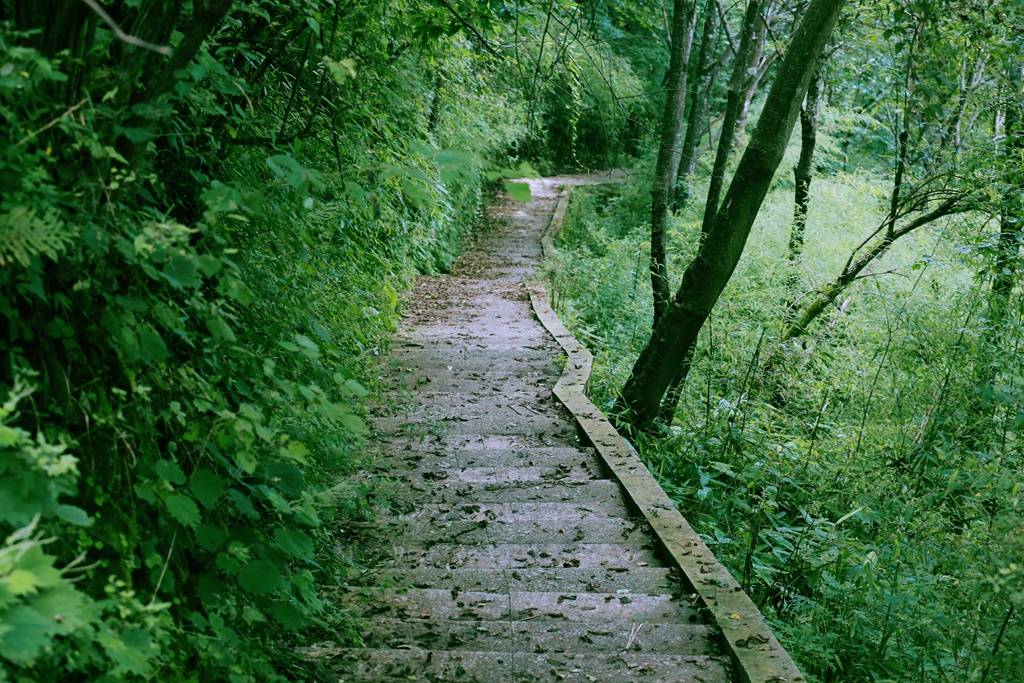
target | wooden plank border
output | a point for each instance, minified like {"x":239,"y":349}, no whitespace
{"x":757,"y":655}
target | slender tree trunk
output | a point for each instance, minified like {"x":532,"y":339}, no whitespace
{"x":683,"y":25}
{"x":696,"y":105}
{"x":803,"y":171}
{"x":1011,"y":220}
{"x":733,"y":101}
{"x":673,"y":339}
{"x":757,"y":67}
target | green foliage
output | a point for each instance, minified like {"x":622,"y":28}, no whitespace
{"x":868,"y":493}
{"x":198,"y":268}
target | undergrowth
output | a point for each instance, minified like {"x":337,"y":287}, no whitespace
{"x":866,"y":489}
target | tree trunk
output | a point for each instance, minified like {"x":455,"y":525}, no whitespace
{"x":733,"y":101}
{"x":803,"y":170}
{"x":757,"y":67}
{"x":1012,"y":214}
{"x":696,"y":106}
{"x":673,"y":339}
{"x":683,"y":24}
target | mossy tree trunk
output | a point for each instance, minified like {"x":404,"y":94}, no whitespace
{"x":703,"y":73}
{"x":733,"y":102}
{"x":1011,"y":219}
{"x":673,"y":338}
{"x":804,"y":169}
{"x":683,"y":25}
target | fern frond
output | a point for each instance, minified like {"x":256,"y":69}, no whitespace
{"x":26,"y":233}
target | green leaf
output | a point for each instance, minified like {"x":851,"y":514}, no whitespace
{"x":182,"y":271}
{"x":297,"y":451}
{"x":68,"y":607}
{"x":288,"y":615}
{"x":294,"y":542}
{"x":246,"y":461}
{"x":152,"y":345}
{"x":355,"y":388}
{"x":219,"y":328}
{"x":354,"y":424}
{"x":518,"y":191}
{"x":74,"y":515}
{"x":137,"y":135}
{"x":131,"y":652}
{"x":206,"y":486}
{"x":260,"y":577}
{"x":170,"y":471}
{"x":183,"y":509}
{"x":307,"y":347}
{"x":27,"y":634}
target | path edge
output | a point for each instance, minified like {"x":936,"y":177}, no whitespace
{"x":756,"y":653}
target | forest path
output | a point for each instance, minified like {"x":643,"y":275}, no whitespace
{"x":514,"y":557}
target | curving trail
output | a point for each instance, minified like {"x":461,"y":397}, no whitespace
{"x":515,"y":557}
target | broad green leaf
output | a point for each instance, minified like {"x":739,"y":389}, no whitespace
{"x":170,"y":471}
{"x":182,"y":508}
{"x":151,"y":344}
{"x":182,"y":271}
{"x":294,"y":542}
{"x":355,"y":388}
{"x":354,"y":424}
{"x":260,"y":577}
{"x":74,"y":515}
{"x":206,"y":486}
{"x":28,"y":633}
{"x":219,"y":328}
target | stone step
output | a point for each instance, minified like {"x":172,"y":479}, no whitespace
{"x":537,"y":636}
{"x":363,"y":666}
{"x":497,"y":475}
{"x":420,"y":493}
{"x":524,"y":555}
{"x":496,"y":523}
{"x":407,"y":461}
{"x":556,"y":427}
{"x":437,"y":382}
{"x":651,"y":579}
{"x":525,"y":331}
{"x":497,"y":407}
{"x":450,"y":604}
{"x":471,"y":442}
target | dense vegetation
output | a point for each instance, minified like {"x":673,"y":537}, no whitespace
{"x":209,"y":210}
{"x":848,"y":440}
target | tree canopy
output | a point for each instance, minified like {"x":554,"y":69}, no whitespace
{"x":804,"y":301}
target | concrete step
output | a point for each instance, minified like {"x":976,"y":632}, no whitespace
{"x":524,"y":556}
{"x":359,"y":666}
{"x":439,"y":458}
{"x":496,"y":523}
{"x":650,"y":579}
{"x":538,"y":636}
{"x":462,"y":410}
{"x":498,"y":475}
{"x":556,"y":427}
{"x":443,"y":443}
{"x":450,"y":604}
{"x":596,"y":491}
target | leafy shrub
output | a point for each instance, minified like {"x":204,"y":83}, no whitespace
{"x":861,"y":507}
{"x":198,"y":268}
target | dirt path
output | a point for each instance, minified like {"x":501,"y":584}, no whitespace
{"x":515,"y":558}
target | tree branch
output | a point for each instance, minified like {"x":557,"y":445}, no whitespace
{"x":472,"y":29}
{"x":122,"y":35}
